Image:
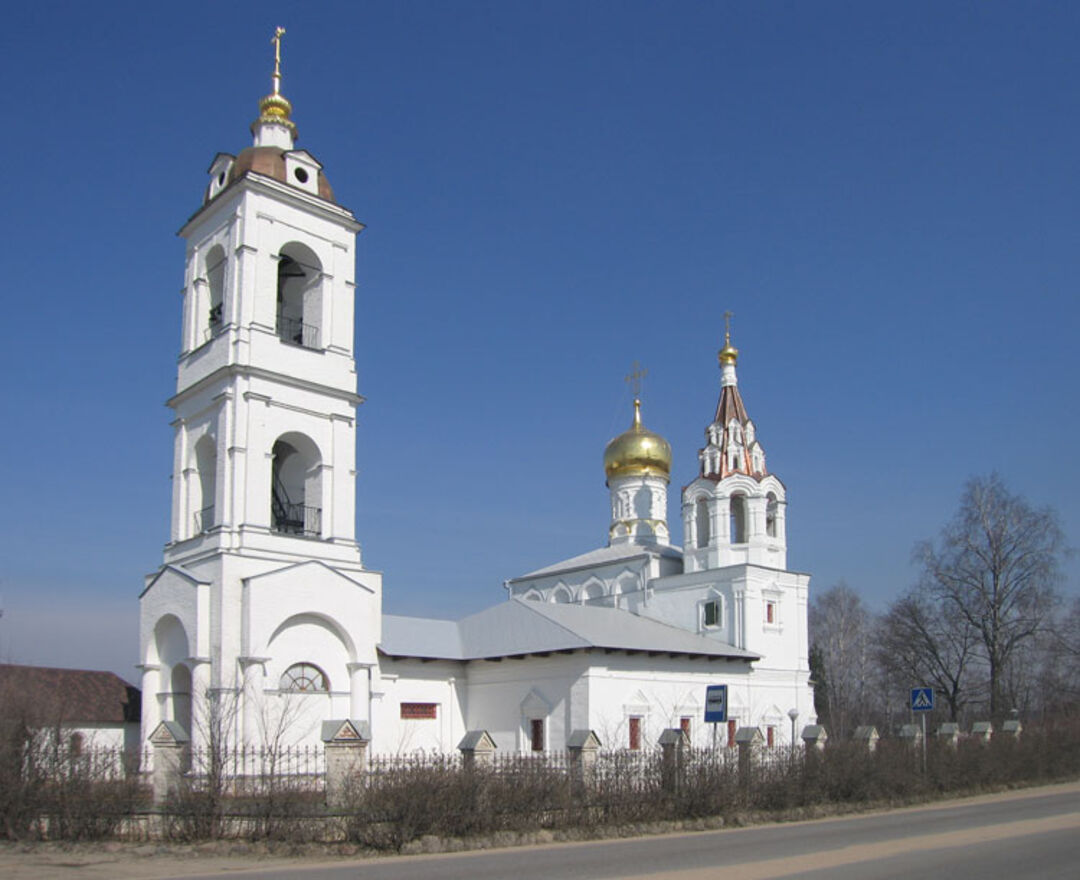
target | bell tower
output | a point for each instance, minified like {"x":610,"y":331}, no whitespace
{"x":734,"y":511}
{"x":265,"y":404}
{"x":263,"y":537}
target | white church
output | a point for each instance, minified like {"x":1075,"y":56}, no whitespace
{"x":263,"y":602}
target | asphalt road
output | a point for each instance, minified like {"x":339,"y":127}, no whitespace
{"x":1033,"y":834}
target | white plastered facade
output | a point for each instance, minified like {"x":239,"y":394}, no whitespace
{"x":263,"y":603}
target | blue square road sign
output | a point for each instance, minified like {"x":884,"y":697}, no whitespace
{"x":716,"y":704}
{"x":922,"y":699}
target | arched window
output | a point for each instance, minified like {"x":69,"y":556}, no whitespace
{"x":770,"y":515}
{"x":206,"y":465}
{"x":562,"y":596}
{"x":215,"y":278}
{"x":304,"y":678}
{"x":295,"y":491}
{"x":738,"y":518}
{"x":299,"y":296}
{"x":701,"y":518}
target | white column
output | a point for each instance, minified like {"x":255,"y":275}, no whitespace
{"x":151,"y":705}
{"x":358,"y":691}
{"x":200,"y":700}
{"x":251,"y":700}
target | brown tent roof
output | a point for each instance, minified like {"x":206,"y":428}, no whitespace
{"x":68,"y":696}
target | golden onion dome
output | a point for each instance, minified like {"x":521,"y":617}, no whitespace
{"x":729,"y":353}
{"x":638,"y":452}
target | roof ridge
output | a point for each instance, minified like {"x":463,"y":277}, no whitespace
{"x":533,"y":607}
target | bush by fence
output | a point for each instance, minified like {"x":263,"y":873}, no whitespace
{"x":399,"y":800}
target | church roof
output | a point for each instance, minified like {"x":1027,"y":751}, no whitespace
{"x":519,"y":627}
{"x":603,"y":556}
{"x":68,"y":696}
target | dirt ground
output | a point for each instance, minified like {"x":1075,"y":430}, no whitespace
{"x":154,"y":861}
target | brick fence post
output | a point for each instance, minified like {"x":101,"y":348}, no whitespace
{"x":345,"y":745}
{"x":172,"y":758}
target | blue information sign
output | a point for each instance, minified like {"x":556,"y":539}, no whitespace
{"x":922,"y":699}
{"x":716,"y":704}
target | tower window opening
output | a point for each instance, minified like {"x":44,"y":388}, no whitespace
{"x":299,"y":300}
{"x":770,"y":515}
{"x":206,"y":483}
{"x":215,"y":282}
{"x":738,"y":519}
{"x":295,"y":488}
{"x":701,"y":518}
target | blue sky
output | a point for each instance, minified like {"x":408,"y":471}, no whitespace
{"x":884,"y":194}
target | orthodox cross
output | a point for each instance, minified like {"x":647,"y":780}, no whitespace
{"x":727,"y":327}
{"x":635,"y":378}
{"x":276,"y":40}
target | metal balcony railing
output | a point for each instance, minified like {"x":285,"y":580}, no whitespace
{"x":298,"y":519}
{"x":296,"y":332}
{"x":204,"y":519}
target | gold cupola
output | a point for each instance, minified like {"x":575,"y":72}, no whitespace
{"x":638,"y":452}
{"x":275,"y":108}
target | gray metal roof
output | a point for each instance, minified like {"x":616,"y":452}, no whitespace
{"x":517,"y":627}
{"x":603,"y":556}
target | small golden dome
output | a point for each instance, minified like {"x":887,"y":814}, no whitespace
{"x":729,"y":353}
{"x":275,"y":109}
{"x":638,"y":452}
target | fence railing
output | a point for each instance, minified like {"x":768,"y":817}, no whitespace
{"x":296,"y":332}
{"x":204,"y":519}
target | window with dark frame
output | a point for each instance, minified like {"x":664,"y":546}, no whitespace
{"x":536,"y":734}
{"x":712,"y":612}
{"x":419,"y":711}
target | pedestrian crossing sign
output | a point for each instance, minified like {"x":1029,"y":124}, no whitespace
{"x":922,"y":699}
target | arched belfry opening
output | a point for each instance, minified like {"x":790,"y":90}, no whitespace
{"x":738,"y":518}
{"x":299,"y":296}
{"x":205,"y":484}
{"x":701,"y":515}
{"x":296,"y":487}
{"x":771,"y":506}
{"x":215,"y":280}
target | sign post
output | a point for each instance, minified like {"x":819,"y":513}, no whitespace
{"x":922,"y":701}
{"x":715,"y":707}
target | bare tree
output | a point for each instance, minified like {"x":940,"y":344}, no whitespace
{"x":923,"y":643}
{"x":840,"y":634}
{"x":995,"y":564}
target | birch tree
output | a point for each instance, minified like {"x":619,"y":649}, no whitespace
{"x":995,"y":565}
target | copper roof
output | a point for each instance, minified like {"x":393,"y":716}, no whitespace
{"x":270,"y":162}
{"x":68,"y":696}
